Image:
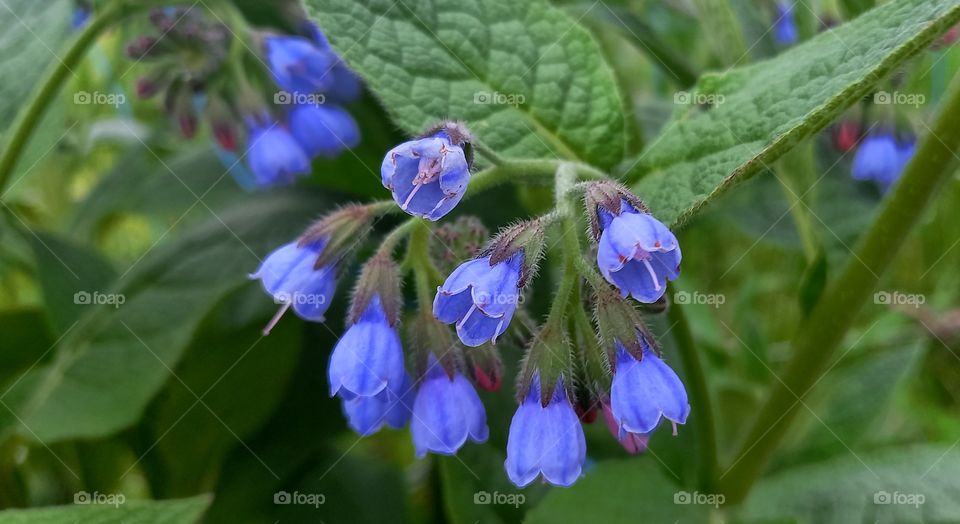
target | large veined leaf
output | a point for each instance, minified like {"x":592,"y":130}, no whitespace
{"x":904,"y":485}
{"x":33,"y":35}
{"x":526,"y":77}
{"x":761,"y":111}
{"x":108,"y":367}
{"x":178,"y":511}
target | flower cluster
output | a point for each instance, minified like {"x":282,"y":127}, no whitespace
{"x":286,"y":114}
{"x":636,"y":256}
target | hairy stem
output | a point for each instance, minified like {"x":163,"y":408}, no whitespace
{"x":823,"y":330}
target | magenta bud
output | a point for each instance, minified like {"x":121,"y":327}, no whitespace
{"x":225,"y":136}
{"x":141,"y":47}
{"x":632,"y":442}
{"x":146,"y":87}
{"x":188,"y":125}
{"x":486,"y":380}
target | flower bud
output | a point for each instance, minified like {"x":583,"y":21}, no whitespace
{"x":345,"y":228}
{"x":380,"y":276}
{"x":485,"y":366}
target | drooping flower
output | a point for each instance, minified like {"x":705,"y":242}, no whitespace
{"x":480,"y":298}
{"x":275,"y":156}
{"x":429,"y":176}
{"x":391,"y":407}
{"x":881,"y":158}
{"x":785,"y":27}
{"x":637,"y":253}
{"x":323,"y":130}
{"x":645,"y":390}
{"x":545,"y":440}
{"x":446,"y":412}
{"x":289,"y":275}
{"x":632,"y":442}
{"x":297,"y":65}
{"x":368,"y":358}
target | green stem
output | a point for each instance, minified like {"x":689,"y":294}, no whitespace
{"x":821,"y":333}
{"x":796,"y":173}
{"x":513,"y":170}
{"x":28,"y":119}
{"x":426,"y":275}
{"x":696,"y":383}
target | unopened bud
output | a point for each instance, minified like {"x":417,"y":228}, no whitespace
{"x":484,"y":363}
{"x":143,"y":47}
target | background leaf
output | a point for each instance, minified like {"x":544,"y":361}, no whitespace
{"x":130,"y":512}
{"x":430,"y":60}
{"x":765,"y":109}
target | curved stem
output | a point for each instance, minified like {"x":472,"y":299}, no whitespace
{"x":704,"y":425}
{"x":28,"y":119}
{"x":821,"y":333}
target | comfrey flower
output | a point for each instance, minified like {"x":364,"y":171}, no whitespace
{"x":545,"y":440}
{"x":345,"y":86}
{"x":428,"y":176}
{"x":323,"y":130}
{"x":645,"y":390}
{"x":391,"y":407}
{"x":297,"y":65}
{"x":881,"y":158}
{"x":785,"y":28}
{"x":480,"y":298}
{"x":289,"y":275}
{"x":446,"y":412}
{"x":368,"y":358}
{"x":637,"y":253}
{"x":275,"y":156}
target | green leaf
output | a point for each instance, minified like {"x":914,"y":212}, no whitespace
{"x":431,"y":60}
{"x":25,"y":337}
{"x":33,"y":34}
{"x":130,"y":512}
{"x":71,"y":277}
{"x":240,"y":376}
{"x":864,"y":488}
{"x":629,"y":490}
{"x":768,"y":107}
{"x":108,"y":368}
